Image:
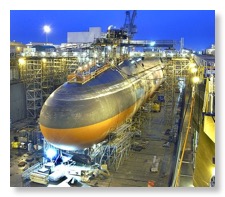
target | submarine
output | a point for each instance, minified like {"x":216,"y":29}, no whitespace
{"x":83,"y":111}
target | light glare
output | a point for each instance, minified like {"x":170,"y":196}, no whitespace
{"x":195,"y":79}
{"x":47,"y":29}
{"x":152,"y":43}
{"x":51,"y":152}
{"x":22,"y":61}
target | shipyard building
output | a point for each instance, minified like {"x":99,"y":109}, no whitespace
{"x":85,"y":37}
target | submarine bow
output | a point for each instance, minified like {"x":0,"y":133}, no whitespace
{"x":79,"y":115}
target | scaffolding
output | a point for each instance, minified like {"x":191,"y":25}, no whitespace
{"x":180,"y":67}
{"x":169,"y":85}
{"x":59,"y":71}
{"x":26,"y":173}
{"x":175,"y":72}
{"x":116,"y":150}
{"x":47,"y":78}
{"x":33,"y":87}
{"x":41,"y":77}
{"x":72,"y":64}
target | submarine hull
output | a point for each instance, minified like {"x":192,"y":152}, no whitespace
{"x":77,"y":116}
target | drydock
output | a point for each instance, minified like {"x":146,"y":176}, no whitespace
{"x":101,"y":115}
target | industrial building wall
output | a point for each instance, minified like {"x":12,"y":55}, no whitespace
{"x":17,"y":102}
{"x":84,"y":37}
{"x":80,"y":37}
{"x":205,"y":147}
{"x":197,"y":112}
{"x":204,"y":167}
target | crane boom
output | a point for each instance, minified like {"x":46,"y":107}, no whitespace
{"x":129,"y":25}
{"x":133,"y":17}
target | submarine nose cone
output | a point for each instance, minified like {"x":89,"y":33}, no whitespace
{"x":70,"y":121}
{"x":60,"y":119}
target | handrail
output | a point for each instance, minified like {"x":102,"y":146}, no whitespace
{"x":85,"y":78}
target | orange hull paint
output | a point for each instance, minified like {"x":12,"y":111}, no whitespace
{"x":85,"y":136}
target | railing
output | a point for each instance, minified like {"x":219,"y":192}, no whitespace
{"x":84,"y":78}
{"x":147,"y":42}
{"x":26,"y":173}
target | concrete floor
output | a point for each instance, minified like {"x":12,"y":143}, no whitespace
{"x":135,"y":169}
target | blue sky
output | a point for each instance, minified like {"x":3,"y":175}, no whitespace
{"x":196,"y":26}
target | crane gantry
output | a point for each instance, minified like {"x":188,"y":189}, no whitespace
{"x":129,"y":25}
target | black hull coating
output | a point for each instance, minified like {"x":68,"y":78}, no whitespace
{"x":74,"y":105}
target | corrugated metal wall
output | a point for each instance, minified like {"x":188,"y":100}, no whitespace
{"x":17,"y":102}
{"x":206,"y":147}
{"x":204,"y":161}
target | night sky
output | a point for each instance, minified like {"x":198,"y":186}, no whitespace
{"x":196,"y":26}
